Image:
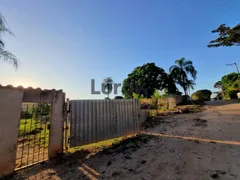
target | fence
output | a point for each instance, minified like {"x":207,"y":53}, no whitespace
{"x":32,"y":123}
{"x":16,"y":142}
{"x":96,"y":120}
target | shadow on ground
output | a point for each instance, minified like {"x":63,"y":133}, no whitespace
{"x":75,"y":166}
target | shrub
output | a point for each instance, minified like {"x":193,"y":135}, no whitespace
{"x":154,"y":104}
{"x":118,"y":97}
{"x":136,"y":96}
{"x":232,"y":94}
{"x":26,"y":115}
{"x":156,"y":95}
{"x":186,"y":100}
{"x":202,"y":95}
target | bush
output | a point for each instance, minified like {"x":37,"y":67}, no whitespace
{"x":202,"y":95}
{"x":154,"y":104}
{"x":118,"y":97}
{"x":186,"y":100}
{"x":232,"y":94}
{"x":26,"y":115}
{"x":136,"y":96}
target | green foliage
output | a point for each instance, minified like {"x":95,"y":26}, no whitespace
{"x":202,"y":95}
{"x":4,"y":54}
{"x":26,"y":115}
{"x":136,"y":96}
{"x":145,"y":79}
{"x":206,"y":91}
{"x":232,"y":93}
{"x":227,"y":36}
{"x":41,"y":111}
{"x":230,"y":85}
{"x":186,"y":100}
{"x":180,"y":71}
{"x":218,"y":85}
{"x":230,"y":80}
{"x":156,"y":95}
{"x":37,"y":111}
{"x":34,"y":132}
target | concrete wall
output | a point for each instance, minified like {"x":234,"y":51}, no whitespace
{"x":169,"y":102}
{"x":10,"y":110}
{"x":178,"y":99}
{"x":56,"y":129}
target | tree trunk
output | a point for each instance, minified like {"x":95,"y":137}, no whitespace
{"x":185,"y":91}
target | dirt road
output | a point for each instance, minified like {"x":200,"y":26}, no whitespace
{"x":197,"y":146}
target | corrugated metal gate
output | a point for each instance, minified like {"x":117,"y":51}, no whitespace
{"x":97,"y":120}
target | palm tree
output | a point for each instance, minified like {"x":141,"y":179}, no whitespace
{"x":108,"y":85}
{"x":180,"y":72}
{"x":190,"y":85}
{"x":4,"y":54}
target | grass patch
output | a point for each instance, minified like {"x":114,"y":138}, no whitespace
{"x":33,"y":132}
{"x":98,"y":146}
{"x":117,"y":145}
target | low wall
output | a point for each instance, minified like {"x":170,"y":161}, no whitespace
{"x":169,"y":102}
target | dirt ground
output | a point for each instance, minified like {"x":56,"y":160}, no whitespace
{"x":193,"y":146}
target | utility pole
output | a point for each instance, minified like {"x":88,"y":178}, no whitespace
{"x":235,"y":66}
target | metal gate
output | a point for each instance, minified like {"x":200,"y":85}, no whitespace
{"x":33,"y":134}
{"x":97,"y":120}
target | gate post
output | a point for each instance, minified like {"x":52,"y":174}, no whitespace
{"x":10,"y":110}
{"x":56,"y":124}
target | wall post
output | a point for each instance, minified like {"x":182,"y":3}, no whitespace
{"x":56,"y":124}
{"x":10,"y":111}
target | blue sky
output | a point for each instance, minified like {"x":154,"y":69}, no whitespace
{"x":65,"y":44}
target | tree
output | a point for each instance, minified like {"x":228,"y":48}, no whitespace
{"x":5,"y":55}
{"x":230,"y":80}
{"x":230,"y":85}
{"x":41,"y":111}
{"x":169,"y":84}
{"x":108,"y":85}
{"x":136,"y":96}
{"x":180,"y":71}
{"x":143,"y":80}
{"x":218,"y":85}
{"x":190,"y":85}
{"x":202,"y":95}
{"x":227,"y":36}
